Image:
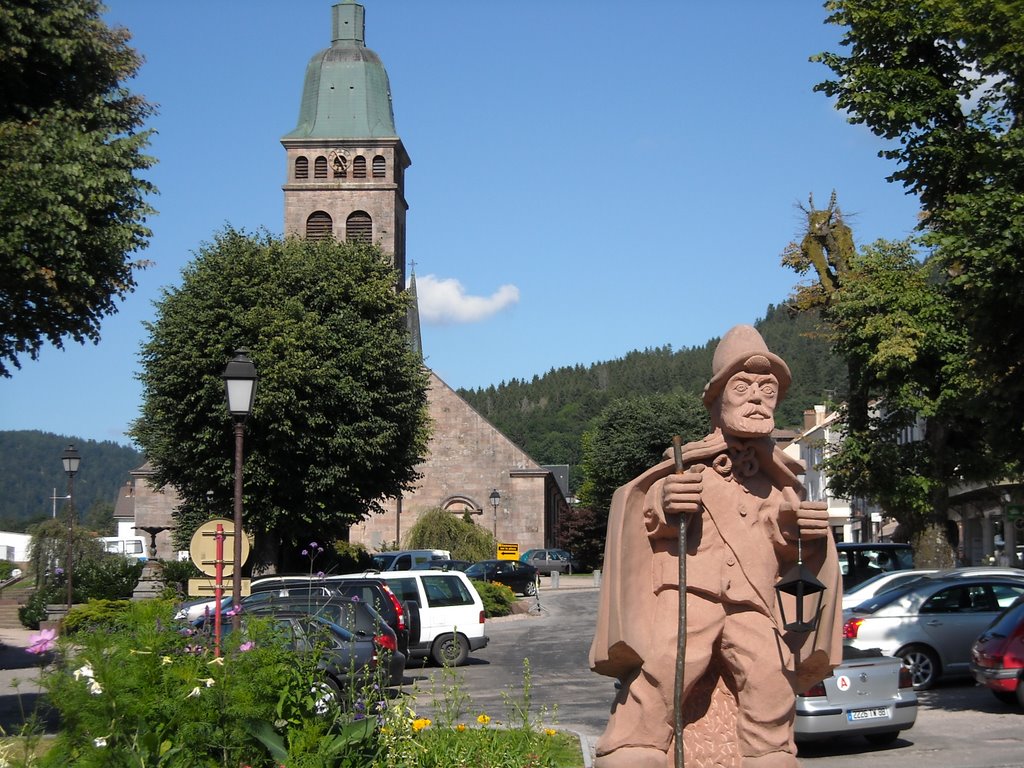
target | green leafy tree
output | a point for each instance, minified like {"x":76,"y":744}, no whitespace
{"x":895,"y":323}
{"x":629,"y":437}
{"x":943,"y":82}
{"x":440,"y":529}
{"x":71,"y":205}
{"x":339,"y":420}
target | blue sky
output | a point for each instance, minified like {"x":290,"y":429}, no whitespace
{"x":588,"y":178}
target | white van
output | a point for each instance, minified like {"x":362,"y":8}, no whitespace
{"x":132,"y":547}
{"x":451,"y":613}
{"x":405,"y":559}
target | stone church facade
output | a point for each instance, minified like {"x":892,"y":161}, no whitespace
{"x":345,"y":178}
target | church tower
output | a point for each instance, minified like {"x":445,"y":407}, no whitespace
{"x":346,"y":163}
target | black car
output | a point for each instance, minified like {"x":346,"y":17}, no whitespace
{"x":350,"y":613}
{"x":345,"y":658}
{"x":519,"y":576}
{"x":403,"y":619}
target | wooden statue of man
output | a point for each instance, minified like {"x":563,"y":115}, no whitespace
{"x":745,"y":512}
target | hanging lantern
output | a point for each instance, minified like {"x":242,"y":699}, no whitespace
{"x":803,"y":586}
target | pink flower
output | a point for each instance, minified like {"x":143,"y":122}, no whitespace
{"x":248,"y":645}
{"x":42,"y":642}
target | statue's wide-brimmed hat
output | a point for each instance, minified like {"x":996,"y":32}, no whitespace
{"x":738,"y":345}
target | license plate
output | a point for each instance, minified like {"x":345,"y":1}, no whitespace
{"x":867,"y":714}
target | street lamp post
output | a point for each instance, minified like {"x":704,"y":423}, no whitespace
{"x":240,"y":388}
{"x":71,"y":461}
{"x":495,"y":501}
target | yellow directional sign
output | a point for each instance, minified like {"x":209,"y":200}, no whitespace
{"x":508,"y":551}
{"x":203,"y":547}
{"x":207,"y":587}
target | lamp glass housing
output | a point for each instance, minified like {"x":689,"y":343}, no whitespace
{"x":240,"y":384}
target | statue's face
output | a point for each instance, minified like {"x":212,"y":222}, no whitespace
{"x":748,"y":404}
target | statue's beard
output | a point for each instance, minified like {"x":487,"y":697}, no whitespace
{"x":747,"y":421}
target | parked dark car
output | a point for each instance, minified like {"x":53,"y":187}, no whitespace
{"x":350,"y":613}
{"x":997,"y":658}
{"x":548,"y":561}
{"x":373,"y":590}
{"x":344,"y":657}
{"x":860,"y":560}
{"x":519,"y":576}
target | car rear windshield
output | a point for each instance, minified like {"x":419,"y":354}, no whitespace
{"x":1007,"y":621}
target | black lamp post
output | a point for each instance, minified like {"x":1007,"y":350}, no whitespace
{"x":240,"y":388}
{"x":495,"y":501}
{"x":71,"y":461}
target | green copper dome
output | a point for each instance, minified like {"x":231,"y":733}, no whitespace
{"x":346,"y":94}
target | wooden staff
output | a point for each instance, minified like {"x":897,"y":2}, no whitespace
{"x":677,"y":452}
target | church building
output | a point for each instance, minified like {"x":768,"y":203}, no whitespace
{"x":345,"y":166}
{"x":345,"y":178}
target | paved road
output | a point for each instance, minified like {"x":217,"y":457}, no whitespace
{"x":959,"y":724}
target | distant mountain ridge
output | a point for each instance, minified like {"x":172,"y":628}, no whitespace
{"x":31,"y":474}
{"x":548,"y":415}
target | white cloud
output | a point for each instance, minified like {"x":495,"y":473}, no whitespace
{"x":444,"y":300}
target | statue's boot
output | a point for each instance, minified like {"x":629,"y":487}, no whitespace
{"x":632,"y":757}
{"x":771,"y":760}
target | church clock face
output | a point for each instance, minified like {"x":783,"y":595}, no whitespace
{"x":338,"y":160}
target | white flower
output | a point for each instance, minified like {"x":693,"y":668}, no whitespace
{"x":100,"y":741}
{"x":209,"y":682}
{"x":83,"y":671}
{"x":95,"y":688}
{"x":193,"y":693}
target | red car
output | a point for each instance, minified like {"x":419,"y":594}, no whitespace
{"x":997,"y":658}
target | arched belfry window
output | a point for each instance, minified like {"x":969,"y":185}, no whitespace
{"x":319,"y":226}
{"x":379,"y":167}
{"x":320,"y":168}
{"x":359,"y":227}
{"x":358,"y":167}
{"x":301,"y":167}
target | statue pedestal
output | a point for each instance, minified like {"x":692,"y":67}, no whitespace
{"x":151,"y":583}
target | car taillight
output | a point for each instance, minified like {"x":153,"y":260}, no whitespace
{"x":386,"y":642}
{"x":851,"y":628}
{"x":483,"y":614}
{"x":398,"y":607}
{"x":818,"y":689}
{"x":906,"y":681}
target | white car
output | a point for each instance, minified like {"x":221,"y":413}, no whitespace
{"x":451,"y":613}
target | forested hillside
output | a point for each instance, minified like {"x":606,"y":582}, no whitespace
{"x":30,"y":470}
{"x":547,"y":415}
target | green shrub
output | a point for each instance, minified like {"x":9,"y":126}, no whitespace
{"x":439,"y":529}
{"x":498,"y":598}
{"x":110,"y":577}
{"x":176,"y":574}
{"x":34,"y":610}
{"x":6,"y":569}
{"x":107,"y":615}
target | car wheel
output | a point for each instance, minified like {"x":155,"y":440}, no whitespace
{"x":1020,"y":692}
{"x":530,"y":589}
{"x":923,"y":665}
{"x":450,"y":650}
{"x":882,"y":739}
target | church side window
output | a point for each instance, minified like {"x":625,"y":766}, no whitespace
{"x":320,"y":168}
{"x":301,"y":167}
{"x":379,"y":167}
{"x":319,"y":226}
{"x":359,"y":227}
{"x":359,"y":167}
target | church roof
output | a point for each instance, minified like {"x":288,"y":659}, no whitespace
{"x":346,"y":93}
